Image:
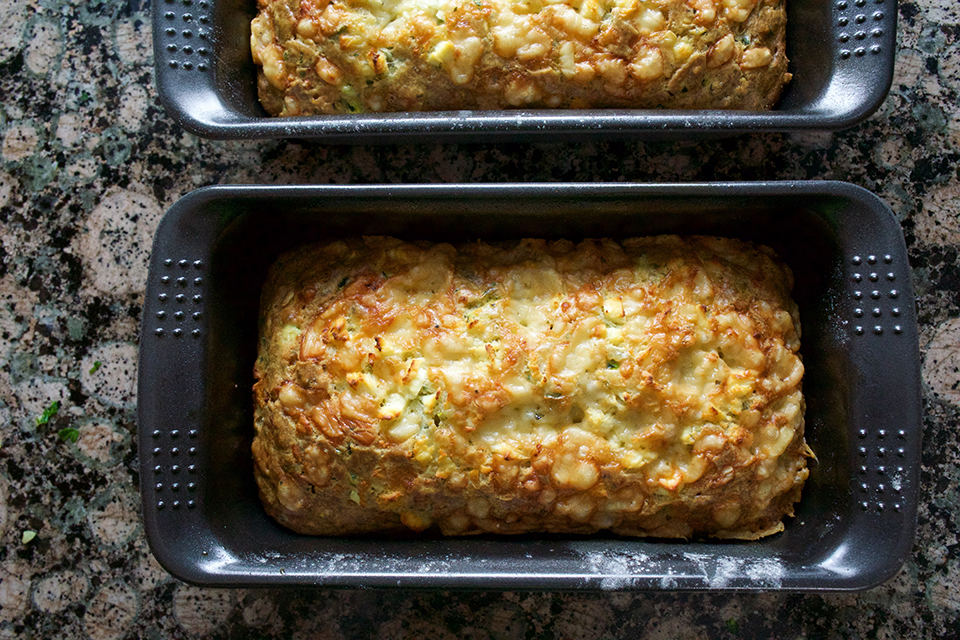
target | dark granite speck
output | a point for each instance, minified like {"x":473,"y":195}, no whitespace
{"x":88,"y":163}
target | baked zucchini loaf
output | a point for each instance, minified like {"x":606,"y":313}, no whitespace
{"x":649,"y":388}
{"x":359,"y":56}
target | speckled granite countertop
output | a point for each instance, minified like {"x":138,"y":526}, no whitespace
{"x":88,"y":163}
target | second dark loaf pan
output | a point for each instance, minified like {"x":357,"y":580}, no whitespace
{"x":841,"y":57}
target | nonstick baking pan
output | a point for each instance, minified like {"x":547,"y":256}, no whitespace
{"x":854,"y":524}
{"x":841,"y":56}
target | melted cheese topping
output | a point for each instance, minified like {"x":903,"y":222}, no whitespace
{"x":355,"y":46}
{"x":659,"y":364}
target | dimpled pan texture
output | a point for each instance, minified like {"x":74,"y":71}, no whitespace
{"x":649,"y":388}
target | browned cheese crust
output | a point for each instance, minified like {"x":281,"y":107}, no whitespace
{"x":650,"y":388}
{"x":359,"y":56}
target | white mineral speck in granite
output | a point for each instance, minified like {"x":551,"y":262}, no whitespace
{"x":36,"y":394}
{"x":149,"y":574}
{"x":111,"y":611}
{"x":114,"y":515}
{"x":505,"y":621}
{"x":939,"y":222}
{"x":14,"y":589}
{"x":941,"y":366}
{"x":259,"y":612}
{"x":585,"y":620}
{"x":953,"y":126}
{"x":13,"y":302}
{"x":944,"y":593}
{"x":45,"y":47}
{"x":134,"y":42}
{"x":115,"y":246}
{"x":909,"y":68}
{"x":890,"y":153}
{"x":950,"y":72}
{"x":57,"y":591}
{"x":101,"y":443}
{"x":114,"y":381}
{"x":812,"y":141}
{"x":133,"y":106}
{"x":12,"y":22}
{"x":943,"y":12}
{"x":200,"y":611}
{"x":82,"y":169}
{"x":69,"y":129}
{"x":894,"y":596}
{"x":19,"y":142}
{"x":6,"y":186}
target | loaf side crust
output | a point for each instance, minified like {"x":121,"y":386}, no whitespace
{"x":649,"y":388}
{"x":363,"y":56}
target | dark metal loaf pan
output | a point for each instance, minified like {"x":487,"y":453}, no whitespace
{"x":841,"y":56}
{"x":854,"y":524}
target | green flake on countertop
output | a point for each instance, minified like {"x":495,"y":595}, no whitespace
{"x":69,"y":433}
{"x":27,"y":536}
{"x":96,"y":365}
{"x":733,"y":626}
{"x":48,"y":413}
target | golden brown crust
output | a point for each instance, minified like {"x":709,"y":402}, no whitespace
{"x":358,"y":56}
{"x":647,"y":388}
